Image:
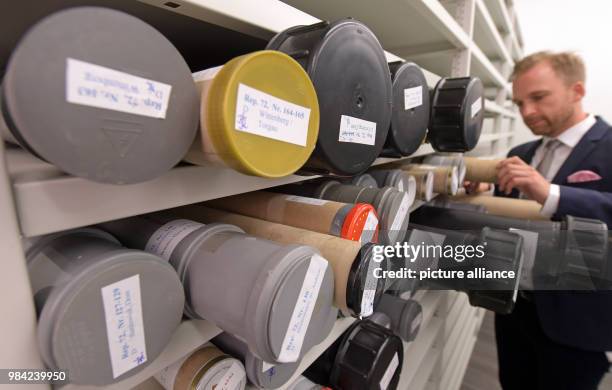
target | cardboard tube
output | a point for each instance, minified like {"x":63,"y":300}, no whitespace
{"x":265,"y":279}
{"x":259,"y":115}
{"x":507,"y":207}
{"x":448,"y":159}
{"x":349,"y":221}
{"x":261,"y":374}
{"x":120,"y":112}
{"x":424,"y":184}
{"x":201,"y":369}
{"x":481,"y":170}
{"x":446,"y":178}
{"x":339,"y":253}
{"x":76,"y":278}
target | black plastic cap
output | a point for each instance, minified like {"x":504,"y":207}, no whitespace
{"x":365,"y":354}
{"x":587,"y":252}
{"x":358,"y":280}
{"x":409,"y":119}
{"x":348,"y":68}
{"x":457,"y":114}
{"x":503,"y":252}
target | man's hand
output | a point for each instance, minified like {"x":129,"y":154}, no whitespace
{"x":516,"y":173}
{"x":474,"y":187}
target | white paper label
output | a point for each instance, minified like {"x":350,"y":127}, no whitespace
{"x":167,"y":237}
{"x":402,"y":213}
{"x":231,"y":379}
{"x":292,"y":343}
{"x":301,"y":199}
{"x":206,"y":74}
{"x":265,"y":115}
{"x":97,"y":86}
{"x":357,"y":131}
{"x":369,"y":228}
{"x":124,"y":325}
{"x":265,"y":366}
{"x":369,"y":291}
{"x":386,"y":379}
{"x":413,"y":97}
{"x":476,"y":107}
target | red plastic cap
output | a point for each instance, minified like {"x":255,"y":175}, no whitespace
{"x":361,"y":217}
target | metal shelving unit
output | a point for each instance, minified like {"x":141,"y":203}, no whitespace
{"x":446,"y":38}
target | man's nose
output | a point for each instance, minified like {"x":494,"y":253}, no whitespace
{"x":527,"y":109}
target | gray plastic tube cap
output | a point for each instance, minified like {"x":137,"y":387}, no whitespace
{"x":101,"y":95}
{"x":72,"y":330}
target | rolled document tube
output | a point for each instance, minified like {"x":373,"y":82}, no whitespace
{"x":391,"y":205}
{"x":262,"y":374}
{"x":267,"y":281}
{"x":481,"y":170}
{"x":450,"y":203}
{"x":86,"y":285}
{"x":363,"y":180}
{"x":348,"y":68}
{"x":356,"y":222}
{"x":569,"y":255}
{"x":424,"y":184}
{"x":446,"y":178}
{"x":448,"y":159}
{"x":502,"y":206}
{"x":259,"y":115}
{"x":112,"y":101}
{"x":410,"y":115}
{"x":206,"y":368}
{"x":357,"y":291}
{"x":397,"y":179}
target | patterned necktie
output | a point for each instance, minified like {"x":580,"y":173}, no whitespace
{"x":549,"y":152}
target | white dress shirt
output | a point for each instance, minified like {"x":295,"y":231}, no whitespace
{"x":569,"y":139}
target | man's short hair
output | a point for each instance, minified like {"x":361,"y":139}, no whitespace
{"x":569,"y":66}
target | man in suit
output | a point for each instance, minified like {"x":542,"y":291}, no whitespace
{"x":557,"y":339}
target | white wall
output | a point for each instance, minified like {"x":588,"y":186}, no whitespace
{"x":581,"y":26}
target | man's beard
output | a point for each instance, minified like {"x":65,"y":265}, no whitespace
{"x":552,"y":127}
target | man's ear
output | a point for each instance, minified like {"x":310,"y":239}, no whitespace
{"x":578,"y":91}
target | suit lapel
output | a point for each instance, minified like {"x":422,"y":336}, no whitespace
{"x":531,"y":151}
{"x":584,"y":147}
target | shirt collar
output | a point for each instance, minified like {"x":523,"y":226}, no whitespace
{"x":572,"y":136}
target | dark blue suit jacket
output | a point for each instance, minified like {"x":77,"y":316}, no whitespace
{"x":579,"y":319}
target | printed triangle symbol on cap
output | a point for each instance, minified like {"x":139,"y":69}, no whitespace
{"x":121,"y":140}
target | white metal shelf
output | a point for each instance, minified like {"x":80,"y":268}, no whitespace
{"x":261,"y":18}
{"x":456,"y":362}
{"x":430,"y":40}
{"x":418,"y":353}
{"x":486,"y":34}
{"x":48,"y":201}
{"x":489,"y":137}
{"x":403,"y":27}
{"x":501,"y":17}
{"x":493,"y":108}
